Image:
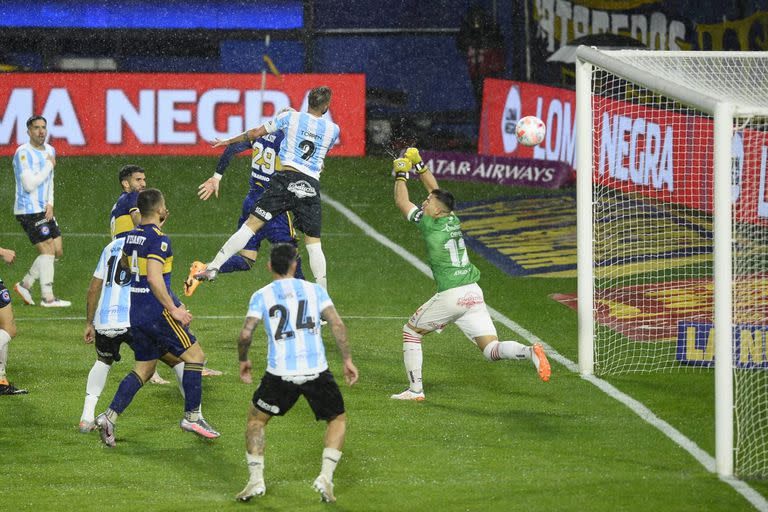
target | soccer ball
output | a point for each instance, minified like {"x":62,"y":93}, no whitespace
{"x":530,"y":131}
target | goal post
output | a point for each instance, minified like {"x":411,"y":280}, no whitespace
{"x":672,"y":227}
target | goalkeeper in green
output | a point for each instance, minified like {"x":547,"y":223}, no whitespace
{"x":458,"y":299}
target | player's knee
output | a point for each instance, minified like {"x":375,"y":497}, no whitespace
{"x":10,"y":329}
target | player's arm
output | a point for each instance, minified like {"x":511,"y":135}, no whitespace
{"x":401,"y":168}
{"x":422,"y":169}
{"x":135,"y":216}
{"x":91,"y":301}
{"x":29,"y":180}
{"x":211,"y":186}
{"x":248,"y":136}
{"x":340,"y":333}
{"x":157,"y":285}
{"x":8,"y":255}
{"x":243,"y":345}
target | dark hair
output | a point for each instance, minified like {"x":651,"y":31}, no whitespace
{"x":319,"y":97}
{"x":281,"y":258}
{"x":148,"y":201}
{"x":127,"y":170}
{"x":33,"y":119}
{"x":445,"y":197}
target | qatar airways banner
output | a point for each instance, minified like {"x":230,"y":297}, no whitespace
{"x":166,"y":114}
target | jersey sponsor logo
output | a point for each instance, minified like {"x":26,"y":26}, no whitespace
{"x":470,"y":300}
{"x":41,"y":222}
{"x":259,"y":211}
{"x":136,"y":289}
{"x":302,"y":189}
{"x":163,"y":246}
{"x":271,"y":408}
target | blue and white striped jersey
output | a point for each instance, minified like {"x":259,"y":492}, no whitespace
{"x":113,"y":311}
{"x":30,"y":163}
{"x":290,"y":310}
{"x":307,"y":140}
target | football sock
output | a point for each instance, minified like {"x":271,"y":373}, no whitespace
{"x":129,"y":386}
{"x":193,"y":390}
{"x":255,"y":466}
{"x":497,"y":350}
{"x":46,"y":276}
{"x":178,"y":371}
{"x":5,"y":339}
{"x":97,"y":379}
{"x":317,"y":263}
{"x":236,"y":263}
{"x":412,"y":358}
{"x":331,"y":457}
{"x":29,"y":279}
{"x":232,"y":246}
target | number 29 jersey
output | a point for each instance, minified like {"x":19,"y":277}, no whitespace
{"x":446,"y":251}
{"x":290,"y":309}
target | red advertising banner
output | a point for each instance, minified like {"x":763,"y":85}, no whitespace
{"x":505,"y":101}
{"x":166,"y":114}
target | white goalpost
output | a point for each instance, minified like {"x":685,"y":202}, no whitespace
{"x":673,"y":228}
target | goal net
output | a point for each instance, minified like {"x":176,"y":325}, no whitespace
{"x":654,"y":277}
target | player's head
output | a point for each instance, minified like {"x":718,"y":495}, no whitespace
{"x":132,"y":178}
{"x":37,"y":129}
{"x":151,"y":203}
{"x":320,"y":99}
{"x":283,"y":259}
{"x":438,"y":203}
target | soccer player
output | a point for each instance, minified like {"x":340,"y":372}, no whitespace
{"x":107,"y":323}
{"x":308,"y":137}
{"x":7,"y":329}
{"x":264,"y":163}
{"x":158,"y":320}
{"x":33,"y":166}
{"x":296,"y":365}
{"x":458,"y":299}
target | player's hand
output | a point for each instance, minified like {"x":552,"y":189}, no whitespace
{"x":181,"y":315}
{"x":350,"y":372}
{"x":208,"y":188}
{"x":217,"y":143}
{"x":48,"y":212}
{"x":89,"y":335}
{"x":413,"y":155}
{"x":401,"y":167}
{"x":8,"y":255}
{"x":245,"y":372}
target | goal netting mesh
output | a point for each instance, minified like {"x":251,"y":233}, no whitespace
{"x":653,"y":228}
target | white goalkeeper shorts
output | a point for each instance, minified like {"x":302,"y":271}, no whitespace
{"x":464,"y":306}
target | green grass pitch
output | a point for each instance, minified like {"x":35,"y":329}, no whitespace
{"x":490,"y":436}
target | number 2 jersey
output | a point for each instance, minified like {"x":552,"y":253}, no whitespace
{"x":143,"y":244}
{"x":290,"y":309}
{"x":113,"y":310}
{"x":307,"y":140}
{"x":446,"y":251}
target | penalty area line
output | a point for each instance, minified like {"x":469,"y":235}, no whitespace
{"x":756,"y":499}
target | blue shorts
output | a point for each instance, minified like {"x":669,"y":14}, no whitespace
{"x":277,"y":230}
{"x":152,"y":340}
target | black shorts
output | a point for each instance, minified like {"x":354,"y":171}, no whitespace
{"x":109,"y":348}
{"x":276,"y":396}
{"x":37,"y":228}
{"x":295,"y":192}
{"x":5,"y":297}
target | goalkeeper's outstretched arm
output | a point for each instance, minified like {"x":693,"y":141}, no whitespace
{"x":422,"y":169}
{"x":401,"y":168}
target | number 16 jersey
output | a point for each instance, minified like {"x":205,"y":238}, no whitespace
{"x":290,"y":309}
{"x":113,"y":310}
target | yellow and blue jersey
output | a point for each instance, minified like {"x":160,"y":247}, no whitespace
{"x":264,"y":158}
{"x":120,"y":220}
{"x":143,"y":244}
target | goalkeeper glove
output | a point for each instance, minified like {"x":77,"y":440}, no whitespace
{"x":413,"y":155}
{"x":401,"y":167}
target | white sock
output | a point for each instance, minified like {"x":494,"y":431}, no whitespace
{"x":178,"y":371}
{"x":412,"y":358}
{"x":317,"y":263}
{"x":29,"y":279}
{"x":5,"y":339}
{"x":255,"y":466}
{"x":97,"y":379}
{"x":232,"y":246}
{"x":46,"y":276}
{"x":497,"y":350}
{"x":331,"y":457}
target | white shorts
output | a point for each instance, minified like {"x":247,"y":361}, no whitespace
{"x":464,"y":306}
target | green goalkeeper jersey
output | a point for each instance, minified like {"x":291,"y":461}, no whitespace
{"x":446,"y":251}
